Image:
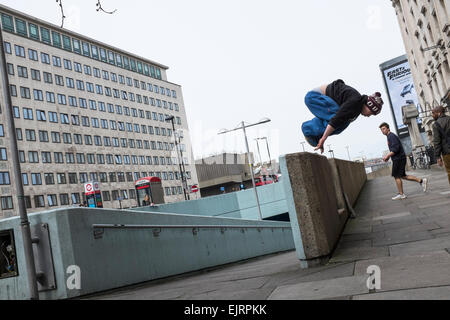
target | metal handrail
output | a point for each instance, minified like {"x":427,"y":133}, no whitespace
{"x":137,"y":226}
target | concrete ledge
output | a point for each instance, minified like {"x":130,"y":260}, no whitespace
{"x":314,"y":189}
{"x":312,"y":203}
{"x":384,"y":172}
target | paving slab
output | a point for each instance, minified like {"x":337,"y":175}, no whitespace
{"x":442,"y":221}
{"x":393,"y":215}
{"x":399,"y":262}
{"x":357,"y":229}
{"x":334,"y":271}
{"x":433,"y":293}
{"x":354,"y":244}
{"x":326,"y":289}
{"x":361,"y":253}
{"x":418,"y":247}
{"x":397,"y":225}
{"x":362,"y":236}
{"x":402,"y":237}
{"x":411,"y":229}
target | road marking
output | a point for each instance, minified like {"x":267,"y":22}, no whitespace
{"x":444,"y":193}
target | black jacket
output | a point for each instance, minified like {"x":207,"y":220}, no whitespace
{"x":395,"y":146}
{"x":350,"y":103}
{"x":439,"y":141}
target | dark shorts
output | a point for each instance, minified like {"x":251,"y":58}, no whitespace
{"x":398,"y":168}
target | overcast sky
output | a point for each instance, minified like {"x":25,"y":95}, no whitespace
{"x":250,"y":59}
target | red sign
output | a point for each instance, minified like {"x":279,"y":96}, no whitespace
{"x":194,"y":188}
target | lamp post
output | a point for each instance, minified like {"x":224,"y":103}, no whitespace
{"x":303,"y":145}
{"x":259,"y":153}
{"x":330,"y":151}
{"x":180,"y":163}
{"x":17,"y":174}
{"x":348,"y":153}
{"x":268,"y":151}
{"x":243,"y":127}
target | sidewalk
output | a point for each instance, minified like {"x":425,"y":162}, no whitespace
{"x":409,"y":240}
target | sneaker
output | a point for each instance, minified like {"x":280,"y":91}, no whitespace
{"x":425,"y":184}
{"x":399,"y":197}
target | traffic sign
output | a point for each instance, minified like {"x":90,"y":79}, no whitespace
{"x":194,"y":188}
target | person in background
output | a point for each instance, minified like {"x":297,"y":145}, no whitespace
{"x":146,"y":201}
{"x":441,"y":138}
{"x":398,"y":157}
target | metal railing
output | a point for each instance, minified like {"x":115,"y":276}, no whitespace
{"x":99,"y":228}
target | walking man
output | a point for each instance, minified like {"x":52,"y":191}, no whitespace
{"x":397,"y":154}
{"x":441,"y":138}
{"x":335,"y":106}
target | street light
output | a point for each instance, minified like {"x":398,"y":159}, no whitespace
{"x":243,"y":126}
{"x":180,"y":163}
{"x":330,"y":151}
{"x":303,"y":145}
{"x":17,"y":174}
{"x":259,"y":153}
{"x":348,"y":153}
{"x":268,"y":151}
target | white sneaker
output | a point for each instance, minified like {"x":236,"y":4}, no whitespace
{"x":399,"y":197}
{"x":425,"y":184}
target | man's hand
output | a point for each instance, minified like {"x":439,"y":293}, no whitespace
{"x":439,"y":162}
{"x":320,"y":145}
{"x":386,"y":158}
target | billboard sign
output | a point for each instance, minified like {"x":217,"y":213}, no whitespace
{"x":401,"y":90}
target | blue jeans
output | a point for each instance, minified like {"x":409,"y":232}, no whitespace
{"x":324,"y":108}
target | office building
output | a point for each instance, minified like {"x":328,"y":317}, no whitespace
{"x":425,"y":28}
{"x":84,"y":111}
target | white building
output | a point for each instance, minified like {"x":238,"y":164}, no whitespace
{"x":425,"y":29}
{"x":85,"y":110}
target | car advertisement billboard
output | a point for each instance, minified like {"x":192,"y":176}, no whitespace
{"x":401,"y":90}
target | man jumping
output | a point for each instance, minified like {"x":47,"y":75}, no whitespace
{"x":335,"y":106}
{"x":397,"y":154}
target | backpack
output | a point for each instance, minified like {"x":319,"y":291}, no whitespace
{"x":445,"y":136}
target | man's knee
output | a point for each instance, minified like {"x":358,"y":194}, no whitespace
{"x":309,"y":98}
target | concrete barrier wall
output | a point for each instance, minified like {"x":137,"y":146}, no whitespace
{"x":384,"y":172}
{"x":349,"y":179}
{"x":241,"y":204}
{"x":122,"y":256}
{"x":314,"y":190}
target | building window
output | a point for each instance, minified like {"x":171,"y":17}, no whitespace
{"x":7,"y":203}
{"x":64,"y":199}
{"x":73,"y":179}
{"x":3,"y":154}
{"x":61,"y":178}
{"x":34,"y":31}
{"x":49,"y":178}
{"x":106,"y":196}
{"x":36,"y":179}
{"x":75,"y":198}
{"x":56,"y":37}
{"x":4,"y":178}
{"x":39,"y":201}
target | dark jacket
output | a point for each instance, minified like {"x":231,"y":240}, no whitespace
{"x":395,"y":146}
{"x":440,"y":145}
{"x":350,"y":103}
